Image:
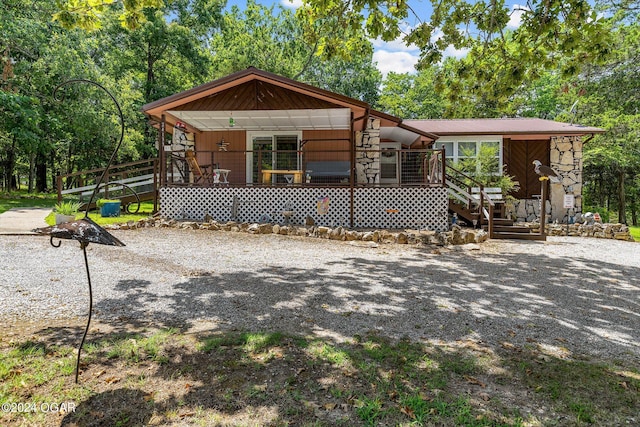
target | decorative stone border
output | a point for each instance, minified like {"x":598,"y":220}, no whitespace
{"x":457,"y":235}
{"x":598,"y":230}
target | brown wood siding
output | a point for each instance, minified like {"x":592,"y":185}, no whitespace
{"x":324,"y":145}
{"x":232,"y":159}
{"x":519,"y":156}
{"x":256,"y":95}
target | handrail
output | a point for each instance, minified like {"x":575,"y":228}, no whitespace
{"x":486,"y":197}
{"x":470,"y":200}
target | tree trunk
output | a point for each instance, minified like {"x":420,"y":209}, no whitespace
{"x":633,"y":205}
{"x":622,"y":205}
{"x":41,"y":172}
{"x":32,"y":171}
{"x":10,"y":166}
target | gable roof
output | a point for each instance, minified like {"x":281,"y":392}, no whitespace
{"x":261,"y":89}
{"x":510,"y":126}
{"x":259,"y":100}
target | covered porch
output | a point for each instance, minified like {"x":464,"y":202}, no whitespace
{"x":253,"y":145}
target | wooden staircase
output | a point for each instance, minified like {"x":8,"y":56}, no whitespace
{"x":505,"y":229}
{"x":482,"y":210}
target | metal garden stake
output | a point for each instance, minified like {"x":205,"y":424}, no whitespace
{"x":85,"y":230}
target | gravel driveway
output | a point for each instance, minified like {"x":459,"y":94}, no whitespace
{"x":574,"y":295}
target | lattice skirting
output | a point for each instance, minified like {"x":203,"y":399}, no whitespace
{"x":373,"y":207}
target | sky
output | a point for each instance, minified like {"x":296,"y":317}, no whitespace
{"x":395,"y":55}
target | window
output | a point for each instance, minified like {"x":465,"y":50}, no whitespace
{"x":474,"y":155}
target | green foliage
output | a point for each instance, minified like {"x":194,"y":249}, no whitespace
{"x":499,"y":57}
{"x":272,"y":39}
{"x":411,"y":96}
{"x":484,"y":168}
{"x":67,"y":208}
{"x":87,"y":14}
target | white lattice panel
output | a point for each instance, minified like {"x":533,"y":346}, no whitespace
{"x":260,"y":204}
{"x":374,"y":207}
{"x":392,"y":208}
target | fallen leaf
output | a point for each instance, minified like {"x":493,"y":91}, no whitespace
{"x":187,"y":414}
{"x":624,"y":385}
{"x":485,"y":397}
{"x":149,"y":396}
{"x":97,"y":374}
{"x":408,"y":411}
{"x":329,"y":406}
{"x":472,"y":380}
{"x":111,"y":380}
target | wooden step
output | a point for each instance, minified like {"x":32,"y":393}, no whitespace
{"x":520,"y":236}
{"x":510,"y":228}
{"x":502,"y":221}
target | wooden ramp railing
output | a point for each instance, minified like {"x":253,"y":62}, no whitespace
{"x":129,"y":182}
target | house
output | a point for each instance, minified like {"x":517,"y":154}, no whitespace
{"x":520,"y":141}
{"x":255,"y":146}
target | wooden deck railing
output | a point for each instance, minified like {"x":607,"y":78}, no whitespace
{"x":120,"y":181}
{"x":332,"y":168}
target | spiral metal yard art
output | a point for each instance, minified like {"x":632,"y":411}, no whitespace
{"x":85,"y":230}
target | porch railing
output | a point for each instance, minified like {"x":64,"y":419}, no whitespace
{"x":334,"y":168}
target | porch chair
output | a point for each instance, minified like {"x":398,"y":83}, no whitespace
{"x":200,"y":172}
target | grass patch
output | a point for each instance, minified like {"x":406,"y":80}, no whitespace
{"x":22,"y":199}
{"x":146,"y":209}
{"x":635,"y":233}
{"x":264,"y":378}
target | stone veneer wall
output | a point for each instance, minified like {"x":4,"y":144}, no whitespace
{"x":368,"y":153}
{"x":566,"y":159}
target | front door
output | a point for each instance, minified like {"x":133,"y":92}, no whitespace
{"x":272,"y":152}
{"x":389,"y":163}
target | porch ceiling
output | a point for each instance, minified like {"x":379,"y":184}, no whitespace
{"x":395,"y":133}
{"x":271,"y":120}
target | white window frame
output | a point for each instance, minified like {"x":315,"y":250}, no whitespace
{"x":478,"y":139}
{"x":270,"y":134}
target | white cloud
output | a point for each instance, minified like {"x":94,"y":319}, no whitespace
{"x":456,"y":53}
{"x":517,"y":11}
{"x":396,"y":61}
{"x":292,"y":4}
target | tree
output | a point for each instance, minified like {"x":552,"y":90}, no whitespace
{"x":18,"y":132}
{"x":87,"y":14}
{"x":612,"y":101}
{"x":499,"y":60}
{"x":411,"y":96}
{"x":272,"y":39}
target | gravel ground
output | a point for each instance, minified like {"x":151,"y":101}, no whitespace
{"x":576,"y":296}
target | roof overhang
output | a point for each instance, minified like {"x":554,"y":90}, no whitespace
{"x":515,"y":128}
{"x":394,"y":129}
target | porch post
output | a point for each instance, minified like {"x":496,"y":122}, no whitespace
{"x":543,"y":207}
{"x":161,"y":138}
{"x":352,"y":171}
